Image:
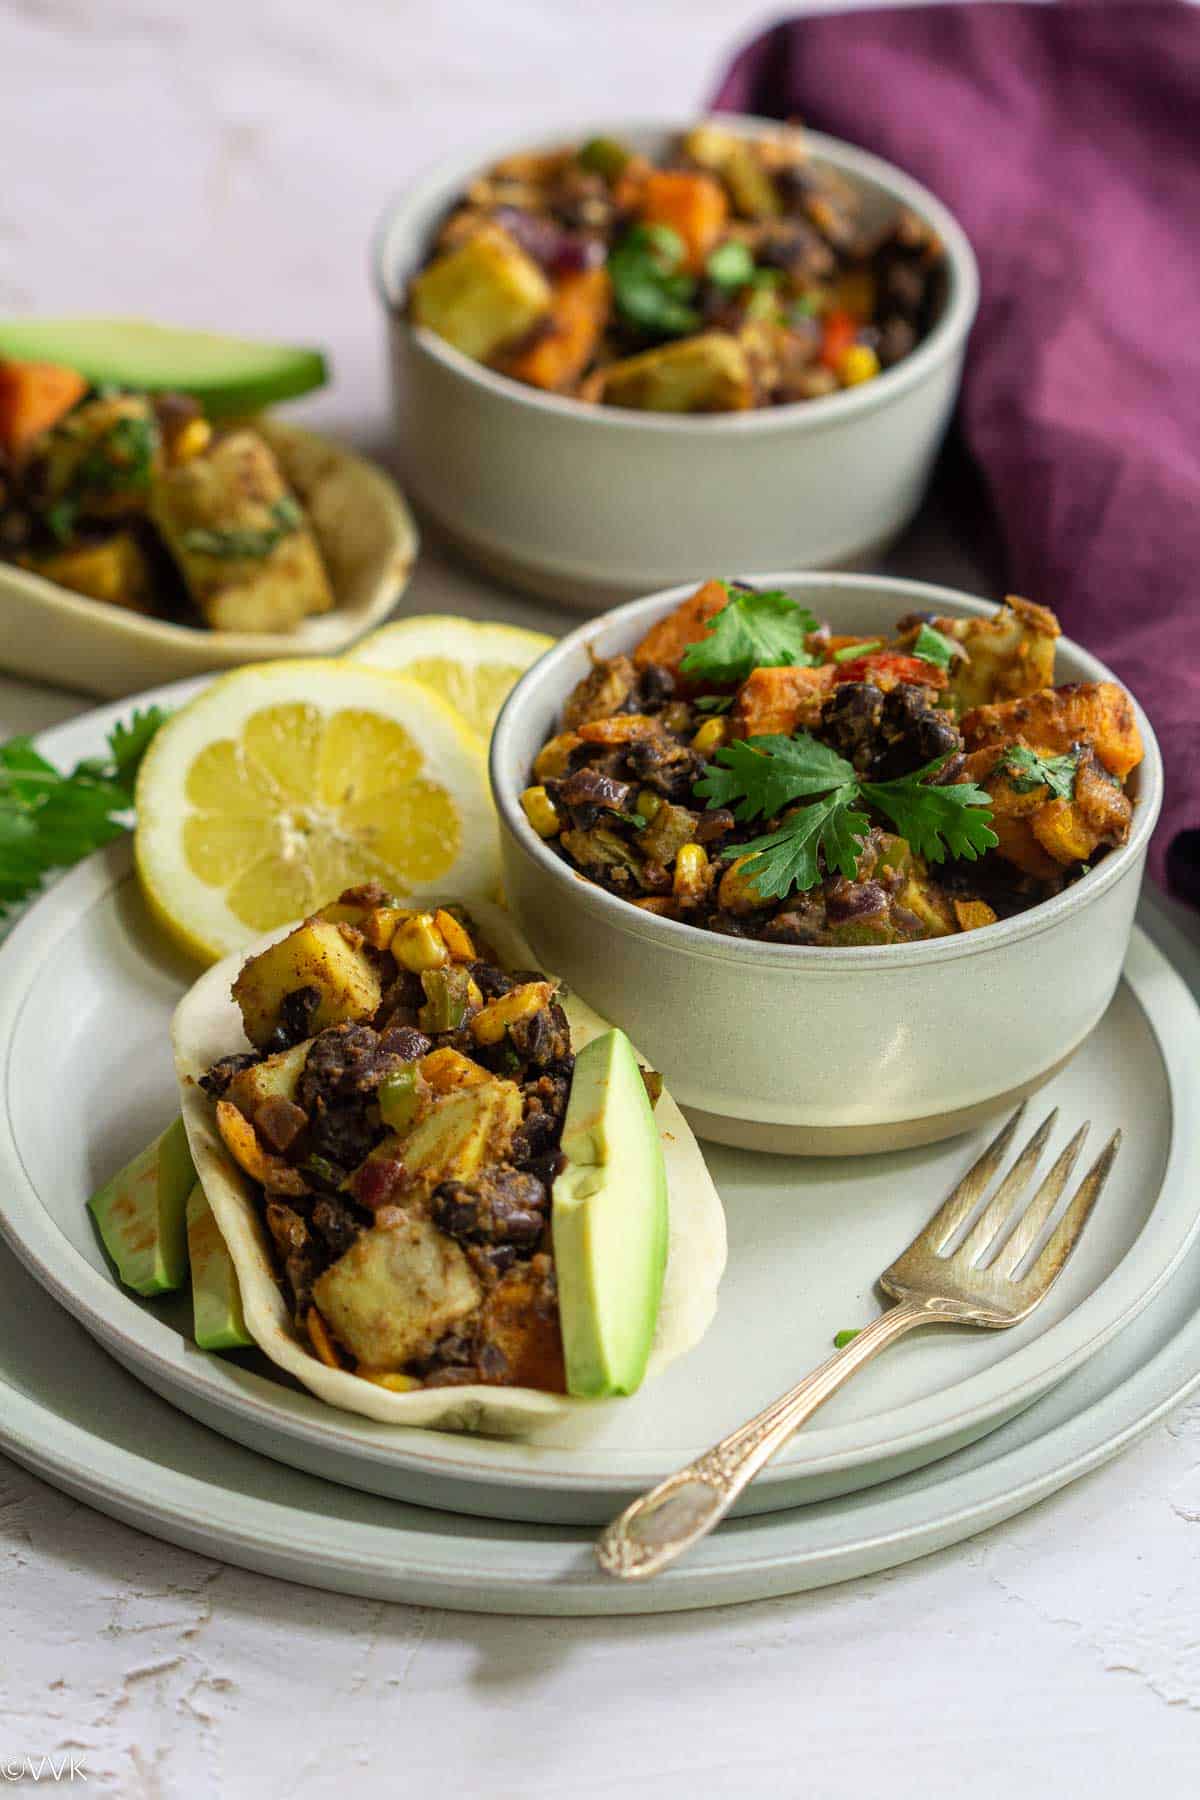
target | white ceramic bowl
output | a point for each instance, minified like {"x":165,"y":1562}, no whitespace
{"x":588,"y":504}
{"x":813,"y":1050}
{"x":367,"y":537}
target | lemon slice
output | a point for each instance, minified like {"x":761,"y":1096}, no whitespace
{"x":471,"y":664}
{"x":285,"y":782}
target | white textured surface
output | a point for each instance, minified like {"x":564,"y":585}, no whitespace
{"x":223,"y":163}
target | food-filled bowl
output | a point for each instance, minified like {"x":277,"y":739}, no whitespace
{"x":588,"y":503}
{"x":823,"y":1050}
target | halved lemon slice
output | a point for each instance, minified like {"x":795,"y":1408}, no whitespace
{"x":285,"y":782}
{"x":472,"y":664}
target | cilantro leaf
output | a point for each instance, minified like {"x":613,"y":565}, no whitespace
{"x":650,"y":291}
{"x":934,"y":647}
{"x":129,"y":743}
{"x":236,"y":542}
{"x":786,"y":859}
{"x":49,"y":819}
{"x":759,"y":776}
{"x":730,"y":265}
{"x":752,"y":631}
{"x":1028,"y":769}
{"x":937,"y":822}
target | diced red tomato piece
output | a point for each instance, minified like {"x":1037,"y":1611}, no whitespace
{"x":838,"y":331}
{"x":887,"y":667}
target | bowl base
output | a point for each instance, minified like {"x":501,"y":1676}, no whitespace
{"x":583,"y":593}
{"x":862,"y":1140}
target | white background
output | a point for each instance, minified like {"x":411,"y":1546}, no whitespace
{"x":223,"y":163}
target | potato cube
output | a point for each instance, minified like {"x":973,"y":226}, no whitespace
{"x":483,"y":295}
{"x":466,"y":1128}
{"x":707,"y":373}
{"x":317,"y":954}
{"x":1009,"y":654}
{"x":242,"y":542}
{"x":115,"y":570}
{"x":274,"y":1079}
{"x":396,"y":1291}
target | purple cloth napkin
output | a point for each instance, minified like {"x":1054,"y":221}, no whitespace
{"x":1066,"y":139}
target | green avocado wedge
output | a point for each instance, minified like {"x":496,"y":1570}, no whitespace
{"x":609,"y":1218}
{"x":228,"y":375}
{"x":216,"y":1296}
{"x":141,"y":1214}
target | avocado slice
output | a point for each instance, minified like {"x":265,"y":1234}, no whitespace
{"x":141,"y":1214}
{"x":228,"y":375}
{"x":609,"y":1219}
{"x":216,"y":1297}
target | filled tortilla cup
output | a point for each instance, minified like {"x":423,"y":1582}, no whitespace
{"x":208,"y":1027}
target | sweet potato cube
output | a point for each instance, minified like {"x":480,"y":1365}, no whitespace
{"x":1098,"y":713}
{"x":665,"y":643}
{"x":781,"y":700}
{"x":482,"y":296}
{"x":317,"y":954}
{"x":691,"y":204}
{"x":33,"y":397}
{"x":521,"y":1322}
{"x":578,"y":314}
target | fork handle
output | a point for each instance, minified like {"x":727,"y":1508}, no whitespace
{"x":660,"y":1525}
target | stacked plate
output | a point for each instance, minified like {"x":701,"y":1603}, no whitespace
{"x":945,"y":1435}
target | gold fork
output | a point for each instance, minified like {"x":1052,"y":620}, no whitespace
{"x":959,"y":1271}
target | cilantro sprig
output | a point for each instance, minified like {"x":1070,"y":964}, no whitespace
{"x":760,"y":777}
{"x":1028,"y":769}
{"x":49,"y":820}
{"x":751,"y":631}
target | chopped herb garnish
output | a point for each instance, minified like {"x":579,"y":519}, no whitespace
{"x":851,"y":652}
{"x":752,"y":631}
{"x":650,"y":290}
{"x":243,"y":541}
{"x":760,"y":776}
{"x":845,"y":1337}
{"x":122,"y":458}
{"x":49,"y":820}
{"x":1028,"y":769}
{"x":935,"y":647}
{"x":636,"y":819}
{"x":731,"y":266}
{"x":61,"y":518}
{"x":714,"y":703}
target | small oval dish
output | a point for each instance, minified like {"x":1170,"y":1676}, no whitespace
{"x":368,"y":541}
{"x":812,"y":1049}
{"x":587,"y":503}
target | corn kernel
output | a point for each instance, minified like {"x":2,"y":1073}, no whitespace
{"x":648,"y":803}
{"x":540,"y":811}
{"x":692,"y":874}
{"x":553,"y":759}
{"x":519,"y":1004}
{"x":857,"y":364}
{"x":711,"y":735}
{"x":456,"y":935}
{"x":663,"y":906}
{"x":737,"y":892}
{"x":419,"y":944}
{"x":381,"y":924}
{"x":192,"y":441}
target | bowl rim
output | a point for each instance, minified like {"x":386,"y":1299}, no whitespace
{"x":943,"y":342}
{"x":693,"y":940}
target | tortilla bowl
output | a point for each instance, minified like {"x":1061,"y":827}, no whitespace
{"x":368,"y":542}
{"x":208,"y":1025}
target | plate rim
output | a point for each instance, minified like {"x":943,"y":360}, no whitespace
{"x":315,"y":1425}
